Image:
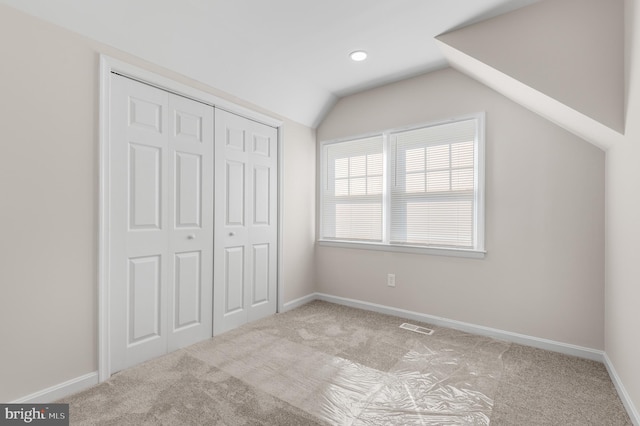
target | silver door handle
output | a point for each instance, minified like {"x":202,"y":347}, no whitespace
{"x":191,"y":236}
{"x":231,"y":234}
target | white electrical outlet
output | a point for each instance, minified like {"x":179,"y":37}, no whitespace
{"x":391,"y":280}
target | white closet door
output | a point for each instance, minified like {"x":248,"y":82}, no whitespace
{"x":245,"y":248}
{"x":190,"y":221}
{"x":161,"y":222}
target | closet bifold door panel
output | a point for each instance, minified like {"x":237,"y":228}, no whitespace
{"x":246,"y":221}
{"x":161,"y":212}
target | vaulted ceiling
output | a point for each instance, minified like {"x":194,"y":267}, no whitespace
{"x":563,"y":59}
{"x":288,"y":56}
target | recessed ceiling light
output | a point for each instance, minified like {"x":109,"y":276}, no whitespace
{"x":358,"y":55}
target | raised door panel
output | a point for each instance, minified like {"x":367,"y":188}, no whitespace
{"x":234,"y":137}
{"x":234,"y":205}
{"x":188,"y":190}
{"x":261,"y":266}
{"x":234,"y":283}
{"x":144,"y":300}
{"x":188,"y":290}
{"x":262,"y":145}
{"x":189,"y":126}
{"x":262,"y":196}
{"x":146,"y":114}
{"x":145,"y":187}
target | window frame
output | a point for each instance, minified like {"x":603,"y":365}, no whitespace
{"x":477,"y":251}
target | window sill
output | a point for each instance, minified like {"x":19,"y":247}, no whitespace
{"x":468,"y":253}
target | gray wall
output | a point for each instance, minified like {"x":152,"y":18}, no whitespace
{"x":623,"y":227}
{"x":543,"y":275}
{"x":49,"y":203}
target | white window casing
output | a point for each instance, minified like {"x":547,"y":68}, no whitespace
{"x":418,"y":189}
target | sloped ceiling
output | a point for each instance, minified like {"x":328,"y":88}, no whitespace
{"x":288,"y":56}
{"x":563,"y":59}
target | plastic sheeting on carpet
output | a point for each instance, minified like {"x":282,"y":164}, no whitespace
{"x":430,"y":385}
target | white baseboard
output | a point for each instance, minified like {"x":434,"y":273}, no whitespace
{"x":60,"y":390}
{"x":78,"y":384}
{"x":622,"y":392}
{"x":550,"y":345}
{"x":299,"y":302}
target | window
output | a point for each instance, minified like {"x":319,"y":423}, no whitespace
{"x":353,"y":200}
{"x":417,"y":189}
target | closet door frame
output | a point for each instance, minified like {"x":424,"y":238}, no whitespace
{"x":108,"y":67}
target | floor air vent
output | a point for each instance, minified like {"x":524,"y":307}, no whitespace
{"x":417,"y":329}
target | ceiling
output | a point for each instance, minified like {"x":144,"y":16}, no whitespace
{"x":288,"y":56}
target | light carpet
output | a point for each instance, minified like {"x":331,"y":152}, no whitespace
{"x":328,"y":364}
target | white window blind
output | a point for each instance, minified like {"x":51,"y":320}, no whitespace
{"x":416,"y":188}
{"x":433,"y":185}
{"x":353,"y":186}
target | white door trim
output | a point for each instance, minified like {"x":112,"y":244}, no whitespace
{"x":108,"y":66}
{"x":280,"y":177}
